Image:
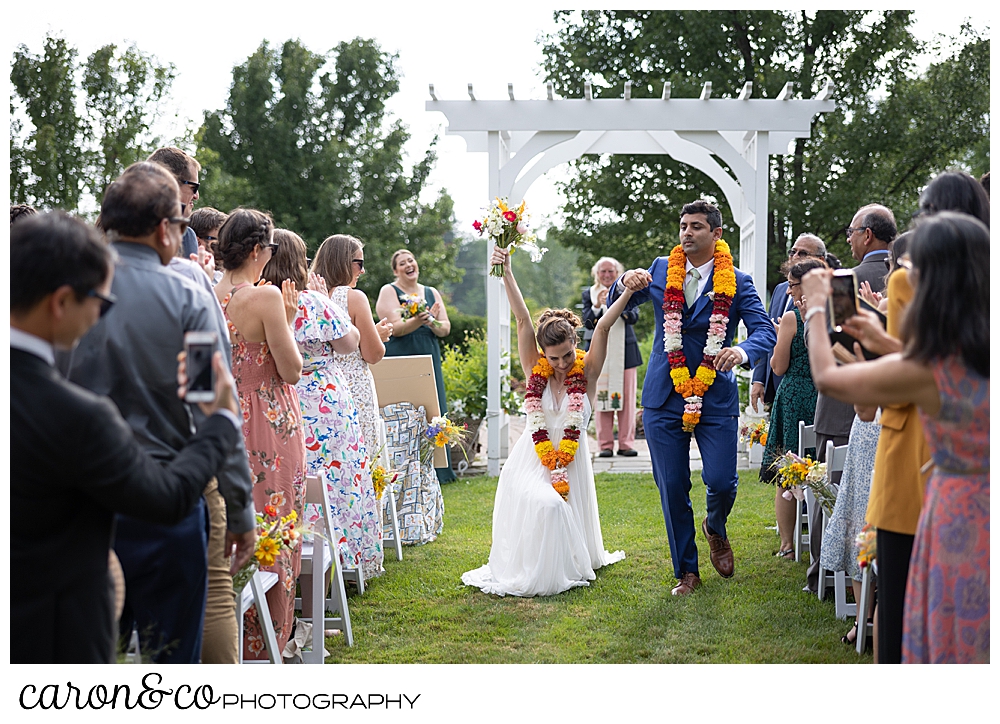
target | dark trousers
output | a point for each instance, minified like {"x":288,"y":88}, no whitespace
{"x":670,"y":449}
{"x":166,"y":584}
{"x":893,"y":557}
{"x":816,"y":514}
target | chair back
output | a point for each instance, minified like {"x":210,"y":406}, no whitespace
{"x":836,"y":456}
{"x":807,"y":437}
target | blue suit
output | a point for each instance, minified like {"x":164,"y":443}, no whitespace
{"x":762,"y":372}
{"x":716,"y":433}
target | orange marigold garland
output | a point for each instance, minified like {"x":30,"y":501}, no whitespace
{"x":693,"y":389}
{"x":556,"y":458}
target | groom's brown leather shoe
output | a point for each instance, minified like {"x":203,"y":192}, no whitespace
{"x":720,"y":553}
{"x":687,"y":584}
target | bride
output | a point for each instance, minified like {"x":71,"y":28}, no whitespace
{"x":546,"y":529}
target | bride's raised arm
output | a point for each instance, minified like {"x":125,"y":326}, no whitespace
{"x":594,"y":361}
{"x":526,"y":345}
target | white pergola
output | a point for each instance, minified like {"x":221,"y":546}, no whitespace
{"x":524,"y":139}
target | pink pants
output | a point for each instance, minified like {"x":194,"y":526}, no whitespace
{"x":605,"y":421}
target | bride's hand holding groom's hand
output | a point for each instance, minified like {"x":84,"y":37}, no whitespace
{"x":637,"y":279}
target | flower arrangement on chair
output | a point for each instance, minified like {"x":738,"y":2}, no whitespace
{"x":441,"y":432}
{"x":865,"y":543}
{"x":754,"y":433}
{"x":795,"y":473}
{"x":274,"y":534}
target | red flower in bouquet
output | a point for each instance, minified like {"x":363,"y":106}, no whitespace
{"x":270,"y":511}
{"x":477,"y":225}
{"x":510,"y":216}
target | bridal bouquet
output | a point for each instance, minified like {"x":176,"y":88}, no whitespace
{"x":754,"y":433}
{"x":442,"y":432}
{"x":274,"y":534}
{"x":508,"y":228}
{"x":795,"y":473}
{"x":414,"y":304}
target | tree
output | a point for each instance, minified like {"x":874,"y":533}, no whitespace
{"x":306,"y":136}
{"x":67,"y":154}
{"x":634,"y":201}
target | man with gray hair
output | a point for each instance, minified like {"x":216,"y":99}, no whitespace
{"x":765,"y":382}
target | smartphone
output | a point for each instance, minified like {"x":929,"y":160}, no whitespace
{"x":200,"y":346}
{"x":843,"y":297}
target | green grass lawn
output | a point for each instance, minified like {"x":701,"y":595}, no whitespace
{"x":419,"y":611}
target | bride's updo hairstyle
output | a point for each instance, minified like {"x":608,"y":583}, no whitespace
{"x":244,"y":230}
{"x":555,"y":326}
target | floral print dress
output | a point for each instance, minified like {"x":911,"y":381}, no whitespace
{"x":336,"y":449}
{"x":272,"y":427}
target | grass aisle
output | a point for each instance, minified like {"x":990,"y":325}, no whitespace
{"x":419,"y":611}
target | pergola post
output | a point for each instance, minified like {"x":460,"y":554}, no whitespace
{"x":498,"y":322}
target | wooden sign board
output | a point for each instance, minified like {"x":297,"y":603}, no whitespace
{"x":410,"y":379}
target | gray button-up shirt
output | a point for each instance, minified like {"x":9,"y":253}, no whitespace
{"x":130,"y":355}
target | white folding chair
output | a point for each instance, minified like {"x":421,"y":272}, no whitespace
{"x":835,"y":458}
{"x":319,"y":558}
{"x":255,"y":594}
{"x":807,"y":439}
{"x":390,"y":519}
{"x":866,"y":604}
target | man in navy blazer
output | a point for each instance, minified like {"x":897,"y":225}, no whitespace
{"x":765,"y":382}
{"x":663,"y":407}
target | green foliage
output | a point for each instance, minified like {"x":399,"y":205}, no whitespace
{"x":66,"y":154}
{"x":469,"y":294}
{"x":466,"y":378}
{"x":463,"y":328}
{"x":306,"y":136}
{"x":890,"y":133}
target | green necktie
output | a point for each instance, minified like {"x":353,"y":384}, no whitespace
{"x":691,"y":286}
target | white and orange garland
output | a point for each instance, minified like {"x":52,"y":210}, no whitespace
{"x":693,"y":389}
{"x":556,"y":459}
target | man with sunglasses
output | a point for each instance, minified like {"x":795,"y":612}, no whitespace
{"x":77,"y":461}
{"x":185,"y":171}
{"x":765,"y":382}
{"x":131,"y":356}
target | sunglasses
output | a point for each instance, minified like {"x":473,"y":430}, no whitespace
{"x":181,"y":221}
{"x":193,"y":184}
{"x":107,"y":301}
{"x":360,"y":263}
{"x":273,"y":247}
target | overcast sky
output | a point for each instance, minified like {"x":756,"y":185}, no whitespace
{"x":446,"y":43}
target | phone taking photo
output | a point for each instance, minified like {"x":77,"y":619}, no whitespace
{"x":200,"y":346}
{"x":843,"y":302}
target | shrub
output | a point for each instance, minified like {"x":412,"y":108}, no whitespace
{"x":465,"y":371}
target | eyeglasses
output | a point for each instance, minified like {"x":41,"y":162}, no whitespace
{"x":107,"y":301}
{"x":360,"y":263}
{"x":181,"y":221}
{"x":851,"y":229}
{"x":792,"y":253}
{"x":193,"y":184}
{"x":792,"y":285}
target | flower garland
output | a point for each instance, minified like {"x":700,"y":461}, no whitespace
{"x":693,"y":389}
{"x":556,"y":459}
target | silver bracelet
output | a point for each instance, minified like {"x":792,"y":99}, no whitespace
{"x":814,"y":310}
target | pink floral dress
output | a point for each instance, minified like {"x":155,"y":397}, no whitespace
{"x":272,"y":427}
{"x":335,"y":445}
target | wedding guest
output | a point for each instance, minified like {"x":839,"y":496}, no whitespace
{"x":617,"y":382}
{"x":984,"y":181}
{"x":419,"y":334}
{"x":185,"y":171}
{"x":266,"y":365}
{"x":131,"y":356}
{"x":794,"y":402}
{"x":205,"y":223}
{"x":339,"y":263}
{"x":944,"y":371}
{"x":21,"y":211}
{"x":335,"y":450}
{"x":956,"y":191}
{"x":77,"y":457}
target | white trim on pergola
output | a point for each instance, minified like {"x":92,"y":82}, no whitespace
{"x":524,"y":139}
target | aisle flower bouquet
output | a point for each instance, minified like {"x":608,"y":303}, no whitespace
{"x":795,"y":473}
{"x":274,"y":534}
{"x":865,"y":543}
{"x":441,"y":432}
{"x":754,"y":433}
{"x":414,"y":304}
{"x":382,"y":477}
{"x":508,"y":227}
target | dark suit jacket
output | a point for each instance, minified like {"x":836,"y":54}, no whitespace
{"x":76,"y":464}
{"x":722,"y":398}
{"x":633,"y":357}
{"x":762,"y":372}
{"x":873,"y":270}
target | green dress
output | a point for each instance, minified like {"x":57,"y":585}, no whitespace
{"x":794,"y":401}
{"x":423,"y":341}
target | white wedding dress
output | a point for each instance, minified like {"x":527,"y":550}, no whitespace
{"x":543,"y":545}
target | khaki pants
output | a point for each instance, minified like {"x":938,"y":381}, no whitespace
{"x":219,"y":644}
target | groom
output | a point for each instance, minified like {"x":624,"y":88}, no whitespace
{"x":699,"y":299}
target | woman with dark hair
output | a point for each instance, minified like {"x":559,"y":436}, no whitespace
{"x":419,"y":334}
{"x":335,"y":451}
{"x":956,"y":191}
{"x":266,"y":365}
{"x":944,"y":370}
{"x":794,"y":401}
{"x":546,"y":526}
